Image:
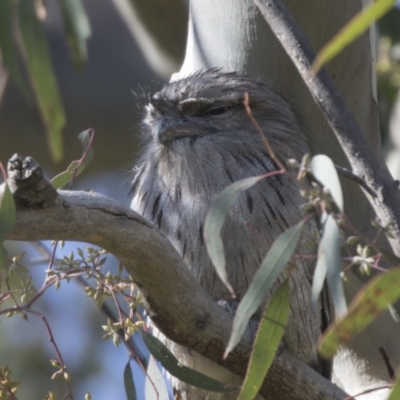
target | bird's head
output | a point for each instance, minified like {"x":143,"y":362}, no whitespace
{"x":210,"y":105}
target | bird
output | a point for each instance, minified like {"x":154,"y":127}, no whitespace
{"x":199,"y":139}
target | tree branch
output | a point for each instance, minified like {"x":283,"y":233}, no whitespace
{"x":354,"y":177}
{"x":189,"y":317}
{"x":351,"y":138}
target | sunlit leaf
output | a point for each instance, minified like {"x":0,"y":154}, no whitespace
{"x":356,"y":27}
{"x":329,"y":266}
{"x":172,"y":365}
{"x":329,"y":247}
{"x":77,"y":29}
{"x":129,"y":383}
{"x":7,"y":220}
{"x":394,"y":314}
{"x":269,"y":335}
{"x":369,"y":303}
{"x":324,"y":171}
{"x":215,"y":221}
{"x":272,"y":266}
{"x":7,"y":45}
{"x":154,"y":386}
{"x":65,"y":177}
{"x":40,"y":71}
{"x":319,"y":277}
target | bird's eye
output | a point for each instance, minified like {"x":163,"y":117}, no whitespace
{"x":219,"y":110}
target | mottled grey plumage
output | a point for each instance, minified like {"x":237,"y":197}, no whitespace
{"x":200,"y":140}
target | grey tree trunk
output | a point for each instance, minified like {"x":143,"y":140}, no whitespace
{"x":233,"y":36}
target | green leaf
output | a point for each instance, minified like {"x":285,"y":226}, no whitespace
{"x":78,"y":30}
{"x":40,"y":71}
{"x":324,"y":171}
{"x":215,"y":221}
{"x":76,"y":167}
{"x":129,"y":383}
{"x":369,"y":303}
{"x":272,"y":266}
{"x":7,"y":213}
{"x":395,"y":393}
{"x":269,"y":335}
{"x":8,"y":48}
{"x":172,"y":365}
{"x":154,"y":386}
{"x":65,"y":177}
{"x":85,"y":137}
{"x":7,"y":220}
{"x":357,"y":26}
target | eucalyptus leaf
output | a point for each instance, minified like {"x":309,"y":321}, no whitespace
{"x":269,"y":336}
{"x":324,"y":171}
{"x":129,"y":383}
{"x":7,"y":213}
{"x":215,"y":221}
{"x":185,"y":374}
{"x":394,"y":314}
{"x":353,"y":29}
{"x":154,"y":386}
{"x":77,"y":29}
{"x":7,"y":46}
{"x":40,"y":70}
{"x":84,"y":137}
{"x":272,"y":266}
{"x":329,"y":266}
{"x":7,"y":220}
{"x":78,"y":166}
{"x":329,"y":246}
{"x":373,"y":299}
{"x":65,"y":177}
{"x":395,"y":393}
{"x":319,"y":277}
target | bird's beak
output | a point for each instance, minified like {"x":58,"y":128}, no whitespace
{"x":172,"y":129}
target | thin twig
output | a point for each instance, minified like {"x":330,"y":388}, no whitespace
{"x":130,"y":344}
{"x":386,"y":359}
{"x":246,"y":103}
{"x":82,"y":159}
{"x":3,"y":383}
{"x":53,"y":342}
